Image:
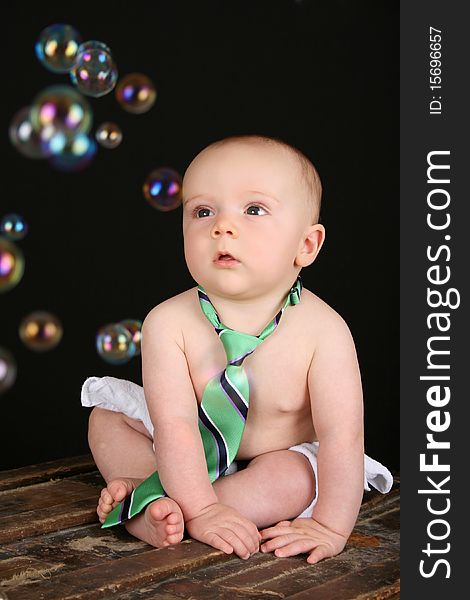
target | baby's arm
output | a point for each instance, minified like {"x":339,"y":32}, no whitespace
{"x":178,"y":446}
{"x":336,"y":400}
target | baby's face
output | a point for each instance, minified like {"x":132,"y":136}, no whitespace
{"x":245,"y":200}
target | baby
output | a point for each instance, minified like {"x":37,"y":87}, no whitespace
{"x":250,"y":222}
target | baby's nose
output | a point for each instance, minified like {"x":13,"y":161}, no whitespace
{"x":223,"y":225}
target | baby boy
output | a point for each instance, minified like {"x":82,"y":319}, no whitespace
{"x":250,"y":222}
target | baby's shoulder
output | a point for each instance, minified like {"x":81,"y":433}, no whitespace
{"x":169,"y":316}
{"x":320,"y":318}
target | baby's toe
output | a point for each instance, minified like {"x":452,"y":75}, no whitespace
{"x":171,"y":529}
{"x":119,"y":489}
{"x":174,"y":519}
{"x":174,"y":538}
{"x":106,"y":497}
{"x":104,"y":507}
{"x":101,"y":513}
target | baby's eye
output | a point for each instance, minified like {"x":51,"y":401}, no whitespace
{"x":256,"y":208}
{"x":201,"y":212}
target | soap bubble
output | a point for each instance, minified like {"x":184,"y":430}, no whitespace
{"x":77,"y":153}
{"x":94,"y":45}
{"x":61,"y":110}
{"x":27,"y":140}
{"x":114,"y":344}
{"x":7,"y":370}
{"x":40,"y":331}
{"x":136,"y":93}
{"x":134,"y":327}
{"x":57,"y":47}
{"x":162,"y":189}
{"x":95,"y":73}
{"x":11,"y":265}
{"x":13,"y":227}
{"x":109,"y":135}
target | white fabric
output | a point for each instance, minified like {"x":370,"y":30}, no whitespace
{"x":118,"y":395}
{"x":375,"y":474}
{"x":128,"y":398}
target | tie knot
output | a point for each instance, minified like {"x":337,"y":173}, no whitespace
{"x":237,"y":345}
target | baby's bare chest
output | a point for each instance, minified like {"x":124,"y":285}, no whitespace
{"x":277,"y":370}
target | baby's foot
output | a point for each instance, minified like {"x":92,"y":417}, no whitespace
{"x":116,"y":491}
{"x":160,"y":525}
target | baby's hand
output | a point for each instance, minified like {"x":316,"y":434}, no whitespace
{"x":223,"y":528}
{"x":302,"y":535}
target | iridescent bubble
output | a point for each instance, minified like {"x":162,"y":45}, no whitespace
{"x":62,"y":112}
{"x":13,"y":227}
{"x":134,"y":327}
{"x":95,"y":73}
{"x":136,"y":93}
{"x":94,"y":45}
{"x":114,"y":344}
{"x":7,"y":370}
{"x":40,"y":331}
{"x":28,"y":141}
{"x":11,"y":265}
{"x":109,"y":135}
{"x":77,"y":154}
{"x":57,"y":47}
{"x":162,"y":189}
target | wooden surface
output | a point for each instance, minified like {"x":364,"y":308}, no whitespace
{"x":52,"y":547}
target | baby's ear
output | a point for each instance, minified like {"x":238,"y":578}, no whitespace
{"x":310,"y":245}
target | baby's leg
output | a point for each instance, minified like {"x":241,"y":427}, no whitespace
{"x":123,"y":452}
{"x":274,"y":487}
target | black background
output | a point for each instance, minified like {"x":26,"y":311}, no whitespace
{"x":322,"y":76}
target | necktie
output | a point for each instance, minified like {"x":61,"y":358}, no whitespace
{"x":223,"y":409}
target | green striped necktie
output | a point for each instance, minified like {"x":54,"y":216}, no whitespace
{"x":222,"y":412}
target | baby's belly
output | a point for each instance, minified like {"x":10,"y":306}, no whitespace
{"x":274,"y":432}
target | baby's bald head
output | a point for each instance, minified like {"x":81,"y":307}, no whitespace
{"x":309,"y":177}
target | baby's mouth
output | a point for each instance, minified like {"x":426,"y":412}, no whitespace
{"x":224,"y":257}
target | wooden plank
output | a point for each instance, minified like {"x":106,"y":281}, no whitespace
{"x":63,"y":467}
{"x":42,"y":496}
{"x":378,"y":581}
{"x":385,"y":524}
{"x":123,"y":574}
{"x":50,"y":506}
{"x":19,"y":569}
{"x":56,"y":517}
{"x":46,"y":507}
{"x":283,"y":577}
{"x":373,"y":499}
{"x":79,"y":547}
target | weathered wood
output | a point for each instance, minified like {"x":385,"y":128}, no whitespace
{"x":122,"y":574}
{"x":41,"y":496}
{"x":46,"y":507}
{"x":373,"y":582}
{"x":11,"y":566}
{"x":64,"y":467}
{"x":57,"y":517}
{"x":79,"y":547}
{"x":21,"y":568}
{"x":267,"y":575}
{"x":373,"y":499}
{"x":53,"y":548}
